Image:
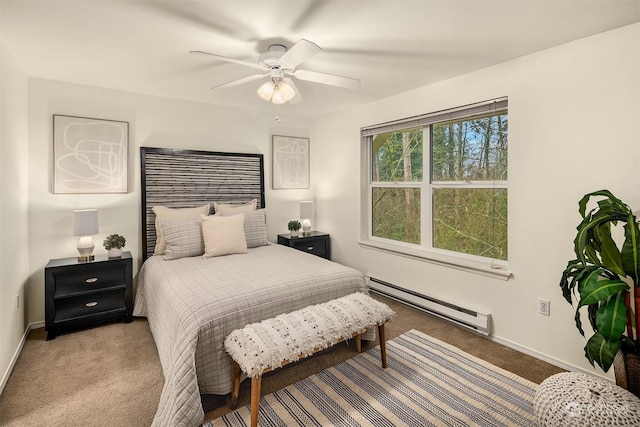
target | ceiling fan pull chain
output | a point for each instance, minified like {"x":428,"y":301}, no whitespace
{"x":278,"y":113}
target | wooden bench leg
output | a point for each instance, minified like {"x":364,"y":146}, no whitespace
{"x":235,"y":384}
{"x":383,"y":345}
{"x":359,"y":343}
{"x":256,"y":382}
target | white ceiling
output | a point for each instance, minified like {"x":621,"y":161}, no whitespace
{"x":392,"y":46}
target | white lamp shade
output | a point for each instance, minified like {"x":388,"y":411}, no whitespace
{"x":85,"y":222}
{"x":306,"y":209}
{"x":266,"y":91}
{"x":286,"y":91}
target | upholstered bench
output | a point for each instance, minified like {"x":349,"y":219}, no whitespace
{"x":262,"y":347}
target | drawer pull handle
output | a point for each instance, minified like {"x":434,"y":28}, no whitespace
{"x":92,"y":304}
{"x":309,"y":248}
{"x":91,"y":280}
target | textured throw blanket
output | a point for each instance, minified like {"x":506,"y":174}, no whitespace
{"x":288,"y":337}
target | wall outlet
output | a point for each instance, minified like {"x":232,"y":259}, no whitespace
{"x":17,"y":301}
{"x":544,"y":307}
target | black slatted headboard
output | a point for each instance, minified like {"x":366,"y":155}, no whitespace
{"x":190,"y":178}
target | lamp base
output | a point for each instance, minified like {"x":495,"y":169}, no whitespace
{"x":306,"y":227}
{"x":85,"y":249}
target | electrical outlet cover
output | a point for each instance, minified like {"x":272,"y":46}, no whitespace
{"x":544,"y":307}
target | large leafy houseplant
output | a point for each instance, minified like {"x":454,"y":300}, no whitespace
{"x":604,"y":278}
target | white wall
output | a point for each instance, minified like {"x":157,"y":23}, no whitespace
{"x":14,"y":250}
{"x":153,"y":122}
{"x":573,"y":113}
{"x":573,"y":129}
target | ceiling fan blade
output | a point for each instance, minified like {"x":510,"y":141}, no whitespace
{"x":297,"y":99}
{"x":299,"y":53}
{"x":241,"y":81}
{"x":235,"y":61}
{"x":327,"y":79}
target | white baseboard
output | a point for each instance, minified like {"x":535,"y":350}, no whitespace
{"x":533,"y":353}
{"x":16,"y":354}
{"x":548,"y":359}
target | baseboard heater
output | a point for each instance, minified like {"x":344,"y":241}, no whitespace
{"x":470,"y":319}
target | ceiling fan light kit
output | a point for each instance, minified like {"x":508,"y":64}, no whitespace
{"x":277,"y":90}
{"x":280,"y":62}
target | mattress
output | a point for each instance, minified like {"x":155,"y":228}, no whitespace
{"x":192,"y":304}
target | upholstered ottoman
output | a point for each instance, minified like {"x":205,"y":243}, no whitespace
{"x":576,"y":399}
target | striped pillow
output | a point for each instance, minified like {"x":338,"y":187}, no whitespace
{"x":183,"y":238}
{"x":255,"y":227}
{"x":163,"y":212}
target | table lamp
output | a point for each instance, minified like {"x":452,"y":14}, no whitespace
{"x":306,"y":214}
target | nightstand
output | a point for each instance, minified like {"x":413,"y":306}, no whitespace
{"x":316,"y":243}
{"x":80,"y":294}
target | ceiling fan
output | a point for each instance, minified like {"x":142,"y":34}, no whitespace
{"x":277,"y":63}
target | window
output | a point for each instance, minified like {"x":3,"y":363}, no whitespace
{"x":438,"y":182}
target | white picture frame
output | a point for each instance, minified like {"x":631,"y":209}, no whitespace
{"x":290,"y":162}
{"x":90,"y":156}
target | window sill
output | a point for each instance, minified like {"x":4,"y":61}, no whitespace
{"x":496,"y":271}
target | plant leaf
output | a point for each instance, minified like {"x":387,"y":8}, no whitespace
{"x":582,"y":204}
{"x":589,"y":240}
{"x":631,"y":250}
{"x":609,"y":252}
{"x":596,"y":289}
{"x":578,"y":321}
{"x":571,"y":277}
{"x":601,"y":351}
{"x":592,"y":312}
{"x":611,"y":318}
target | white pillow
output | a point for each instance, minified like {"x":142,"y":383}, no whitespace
{"x":255,"y":227}
{"x":163,"y":212}
{"x":223,"y":235}
{"x":183,"y":238}
{"x":232,"y":209}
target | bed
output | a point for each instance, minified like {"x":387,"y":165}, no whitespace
{"x":191,"y":302}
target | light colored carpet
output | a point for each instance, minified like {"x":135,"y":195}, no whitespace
{"x":110,"y":375}
{"x":427,"y":382}
{"x":104,"y":376}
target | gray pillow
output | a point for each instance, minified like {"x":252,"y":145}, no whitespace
{"x":255,"y":227}
{"x":183,"y":238}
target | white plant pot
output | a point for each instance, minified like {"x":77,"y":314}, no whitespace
{"x":294,"y":233}
{"x":114,"y":252}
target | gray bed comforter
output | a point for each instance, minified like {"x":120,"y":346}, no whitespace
{"x":192,"y":304}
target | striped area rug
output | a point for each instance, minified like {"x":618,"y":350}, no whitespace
{"x":427,"y":383}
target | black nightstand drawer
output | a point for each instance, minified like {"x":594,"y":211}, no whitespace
{"x":316,"y":243}
{"x":86,"y":278}
{"x":89,"y":304}
{"x":312,"y":246}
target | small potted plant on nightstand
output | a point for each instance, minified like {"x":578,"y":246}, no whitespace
{"x":294,"y":228}
{"x":114,"y":244}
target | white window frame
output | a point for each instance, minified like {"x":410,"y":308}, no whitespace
{"x":425,"y":251}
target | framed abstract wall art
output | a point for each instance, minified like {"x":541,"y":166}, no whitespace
{"x":90,"y":155}
{"x":290,"y":159}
